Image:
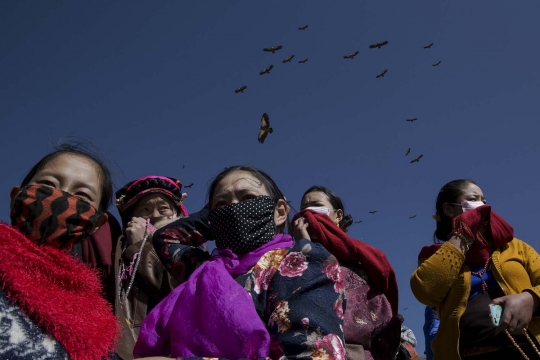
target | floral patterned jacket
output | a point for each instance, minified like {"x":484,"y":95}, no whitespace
{"x":298,"y":293}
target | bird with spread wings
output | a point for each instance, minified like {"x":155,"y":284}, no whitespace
{"x":416,"y":159}
{"x":351,"y":56}
{"x":241,"y":89}
{"x":378,"y":45}
{"x":428,"y":46}
{"x":265,"y":128}
{"x":273,"y":49}
{"x":286,"y":60}
{"x":303,"y":61}
{"x":412,"y":119}
{"x":267,"y":70}
{"x":303,"y":27}
{"x":188,"y":186}
{"x":437,"y":63}
{"x":382,"y":74}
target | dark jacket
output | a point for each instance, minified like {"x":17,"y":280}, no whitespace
{"x":152,"y":284}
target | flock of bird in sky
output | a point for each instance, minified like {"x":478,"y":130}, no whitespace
{"x":265,"y":128}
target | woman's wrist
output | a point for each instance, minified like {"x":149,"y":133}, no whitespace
{"x":461,"y":242}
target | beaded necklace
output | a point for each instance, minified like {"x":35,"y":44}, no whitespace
{"x":481,"y":273}
{"x":517,"y":346}
{"x":132,"y":268}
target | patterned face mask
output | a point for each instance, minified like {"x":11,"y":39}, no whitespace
{"x":52,"y":217}
{"x":244,"y":226}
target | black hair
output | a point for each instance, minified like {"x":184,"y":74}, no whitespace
{"x":336,"y":203}
{"x":449,"y":193}
{"x":150,"y":183}
{"x":260,"y":175}
{"x":88,"y":151}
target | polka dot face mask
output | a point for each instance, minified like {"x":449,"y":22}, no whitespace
{"x":244,"y":226}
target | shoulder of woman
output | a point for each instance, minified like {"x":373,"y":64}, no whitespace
{"x":517,"y":245}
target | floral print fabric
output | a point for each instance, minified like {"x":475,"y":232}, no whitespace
{"x":299,"y":294}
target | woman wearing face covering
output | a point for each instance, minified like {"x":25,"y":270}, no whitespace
{"x":260,"y":295}
{"x":479,"y":264}
{"x":371,"y":324}
{"x":50,"y":303}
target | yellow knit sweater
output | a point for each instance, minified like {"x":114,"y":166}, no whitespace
{"x":444,"y":281}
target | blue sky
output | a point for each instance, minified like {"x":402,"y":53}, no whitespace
{"x":151,"y":84}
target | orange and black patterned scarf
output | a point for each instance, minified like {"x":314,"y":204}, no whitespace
{"x":53,"y":217}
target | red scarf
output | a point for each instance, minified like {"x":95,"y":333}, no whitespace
{"x":347,"y":249}
{"x":61,"y":295}
{"x":497,"y":234}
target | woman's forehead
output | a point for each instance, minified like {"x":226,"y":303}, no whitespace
{"x":237,"y":181}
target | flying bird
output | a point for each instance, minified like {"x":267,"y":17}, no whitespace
{"x":241,"y":89}
{"x":405,"y":308}
{"x":412,"y":217}
{"x":265,"y":128}
{"x":373,"y":212}
{"x":428,"y":46}
{"x":382,"y":74}
{"x":288,"y":59}
{"x":273,"y":49}
{"x":303,"y":61}
{"x":188,"y":186}
{"x":416,"y":159}
{"x":303,"y":27}
{"x":351,"y":56}
{"x":358,"y":222}
{"x":412,"y":119}
{"x":378,"y":45}
{"x":267,"y":70}
{"x":436,"y":64}
{"x":408,"y":151}
{"x":183,"y":166}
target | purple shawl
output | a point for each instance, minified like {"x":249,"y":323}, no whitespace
{"x":210,"y":315}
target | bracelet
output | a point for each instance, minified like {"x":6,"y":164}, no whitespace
{"x":464,"y":239}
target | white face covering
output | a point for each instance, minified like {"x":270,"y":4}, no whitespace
{"x":470,"y":205}
{"x":319,"y":209}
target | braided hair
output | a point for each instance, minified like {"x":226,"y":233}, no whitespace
{"x":133,"y":191}
{"x":336,"y":203}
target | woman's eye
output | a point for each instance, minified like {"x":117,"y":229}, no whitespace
{"x":163,"y":208}
{"x":46,"y":183}
{"x":83,"y":195}
{"x":219,"y":204}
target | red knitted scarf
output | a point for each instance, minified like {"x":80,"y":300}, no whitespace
{"x":497,"y":234}
{"x":59,"y":294}
{"x":347,"y":249}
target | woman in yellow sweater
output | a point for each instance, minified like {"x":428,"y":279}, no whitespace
{"x":479,"y":263}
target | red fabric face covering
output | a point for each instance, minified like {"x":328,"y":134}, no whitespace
{"x":497,"y":234}
{"x":347,"y":249}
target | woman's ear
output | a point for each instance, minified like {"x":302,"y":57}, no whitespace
{"x":13,"y":194}
{"x":281,"y":212}
{"x":101,"y":221}
{"x":339,"y":215}
{"x":449,"y":210}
